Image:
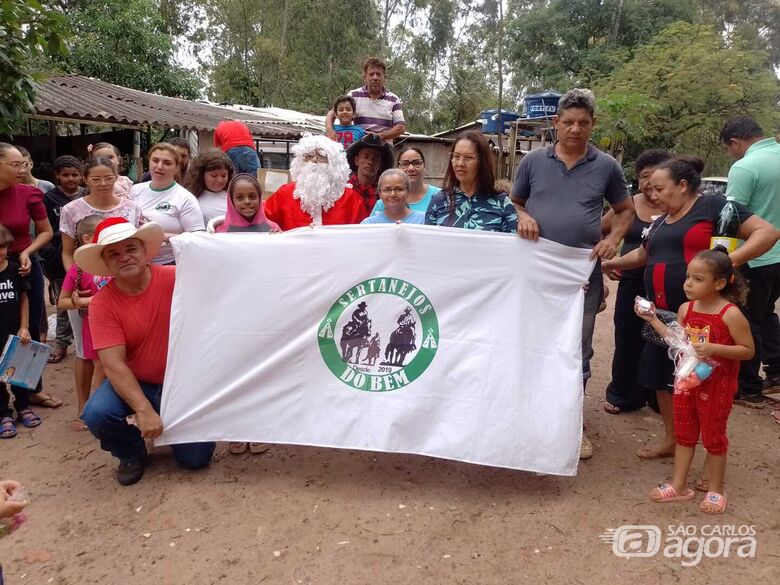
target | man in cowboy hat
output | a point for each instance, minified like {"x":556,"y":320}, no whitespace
{"x":319,"y":193}
{"x":368,"y":158}
{"x":129,"y":320}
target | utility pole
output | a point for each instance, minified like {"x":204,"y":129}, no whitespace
{"x":500,"y":56}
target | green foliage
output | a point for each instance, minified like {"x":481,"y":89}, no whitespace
{"x":679,"y":90}
{"x":562,"y":43}
{"x":283,"y":53}
{"x":127,"y":43}
{"x":28,"y":31}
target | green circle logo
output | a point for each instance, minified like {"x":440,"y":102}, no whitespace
{"x":380,"y":335}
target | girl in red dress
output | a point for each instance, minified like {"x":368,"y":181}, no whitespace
{"x":718,"y":331}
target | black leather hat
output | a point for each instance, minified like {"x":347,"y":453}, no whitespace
{"x":371,"y":141}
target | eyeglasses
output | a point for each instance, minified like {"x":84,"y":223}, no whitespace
{"x":393,"y":190}
{"x":416,"y":163}
{"x":467,"y":158}
{"x":315,"y":157}
{"x":17,"y":165}
{"x":101,"y":180}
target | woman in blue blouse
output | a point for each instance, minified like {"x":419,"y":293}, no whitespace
{"x":468,"y":198}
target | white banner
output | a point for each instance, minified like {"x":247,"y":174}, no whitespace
{"x":402,"y":338}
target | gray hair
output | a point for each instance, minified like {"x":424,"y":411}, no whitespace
{"x":578,"y":98}
{"x":398,"y":172}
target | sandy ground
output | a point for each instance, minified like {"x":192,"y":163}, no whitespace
{"x":319,"y":516}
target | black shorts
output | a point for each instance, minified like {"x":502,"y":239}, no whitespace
{"x":656,"y":369}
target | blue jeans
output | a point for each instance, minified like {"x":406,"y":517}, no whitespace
{"x":593,"y":298}
{"x":105,"y":414}
{"x":244,"y":159}
{"x":35,"y":298}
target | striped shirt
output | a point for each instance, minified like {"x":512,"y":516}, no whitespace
{"x":377,"y":115}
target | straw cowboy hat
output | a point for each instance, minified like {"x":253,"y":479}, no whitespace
{"x":89,"y":257}
{"x":371,"y":141}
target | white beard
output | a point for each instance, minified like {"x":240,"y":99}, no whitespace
{"x":317,"y":188}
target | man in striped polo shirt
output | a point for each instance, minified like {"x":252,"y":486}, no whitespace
{"x":378,"y":110}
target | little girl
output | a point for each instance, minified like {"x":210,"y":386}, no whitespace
{"x":77,"y":291}
{"x":720,"y":332}
{"x":244,"y":208}
{"x":112,"y":153}
{"x":207,"y":178}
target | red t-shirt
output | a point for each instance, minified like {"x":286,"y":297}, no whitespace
{"x":232,"y":133}
{"x":18,"y":205}
{"x":139,"y":322}
{"x":285,"y":210}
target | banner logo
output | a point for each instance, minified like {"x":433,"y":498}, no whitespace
{"x":380,"y":335}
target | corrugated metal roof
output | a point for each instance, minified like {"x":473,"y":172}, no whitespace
{"x":85,"y":99}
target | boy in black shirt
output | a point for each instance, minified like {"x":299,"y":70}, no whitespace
{"x":14,"y":320}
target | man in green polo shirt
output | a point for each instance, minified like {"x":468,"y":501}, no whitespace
{"x":754,"y":180}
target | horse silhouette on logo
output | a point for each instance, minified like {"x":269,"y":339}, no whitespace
{"x":402,"y":340}
{"x":374,"y":349}
{"x":355,"y":334}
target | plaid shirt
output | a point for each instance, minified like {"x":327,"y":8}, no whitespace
{"x":368,"y":193}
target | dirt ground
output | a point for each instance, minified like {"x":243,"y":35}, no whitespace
{"x":303,"y":515}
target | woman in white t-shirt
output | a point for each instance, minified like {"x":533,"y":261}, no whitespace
{"x":207,"y":178}
{"x":165,"y":202}
{"x":100,"y":176}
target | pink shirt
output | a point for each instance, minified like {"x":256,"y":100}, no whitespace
{"x":19,"y":204}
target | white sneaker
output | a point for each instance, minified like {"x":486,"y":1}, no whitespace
{"x":586,"y":448}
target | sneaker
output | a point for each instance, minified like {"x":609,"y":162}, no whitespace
{"x":772,"y":385}
{"x":130,"y":472}
{"x":586,"y":448}
{"x":749,"y":400}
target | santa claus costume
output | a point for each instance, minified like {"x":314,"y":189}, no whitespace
{"x":319,"y":193}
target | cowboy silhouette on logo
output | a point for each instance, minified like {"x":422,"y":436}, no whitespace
{"x":402,"y":340}
{"x":355,"y":334}
{"x":374,"y":349}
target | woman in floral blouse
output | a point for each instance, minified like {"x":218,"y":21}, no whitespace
{"x":468,"y":198}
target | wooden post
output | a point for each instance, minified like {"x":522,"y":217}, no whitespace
{"x":139,"y":166}
{"x":512,"y":147}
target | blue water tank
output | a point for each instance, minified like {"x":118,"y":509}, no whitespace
{"x":490,"y":123}
{"x":541,"y":105}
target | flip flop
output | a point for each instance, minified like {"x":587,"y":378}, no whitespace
{"x":611,"y":408}
{"x":55,"y":358}
{"x":237,"y":448}
{"x":702,"y":484}
{"x":78,"y":425}
{"x":713,"y":503}
{"x":776,"y":416}
{"x":648,"y":453}
{"x":665,"y":493}
{"x":29,"y":419}
{"x":257,"y":448}
{"x":46,"y":401}
{"x":7,"y":428}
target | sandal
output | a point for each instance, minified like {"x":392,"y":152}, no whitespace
{"x":7,"y":428}
{"x":611,"y":408}
{"x":78,"y":425}
{"x":257,"y":448}
{"x":648,"y":453}
{"x":702,"y":484}
{"x":29,"y":419}
{"x":45,"y":400}
{"x":56,"y":356}
{"x":713,"y":503}
{"x":237,"y":448}
{"x":665,"y":493}
{"x":776,"y":416}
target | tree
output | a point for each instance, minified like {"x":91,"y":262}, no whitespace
{"x":757,"y":22}
{"x":28,"y":31}
{"x":679,"y":90}
{"x":127,"y":43}
{"x":561,"y":43}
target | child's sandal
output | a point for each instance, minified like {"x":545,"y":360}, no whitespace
{"x":237,"y":448}
{"x":713,"y":503}
{"x":7,"y":428}
{"x":29,"y":419}
{"x":665,"y":493}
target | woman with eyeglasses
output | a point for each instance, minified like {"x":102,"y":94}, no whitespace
{"x":412,"y":162}
{"x":100,"y":177}
{"x":394,"y":190}
{"x":469,"y":199}
{"x":19,"y":205}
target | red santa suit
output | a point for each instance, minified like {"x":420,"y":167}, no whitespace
{"x":284,"y":209}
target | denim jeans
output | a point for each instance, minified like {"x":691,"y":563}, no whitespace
{"x":35,"y":298}
{"x":244,"y":159}
{"x":105,"y":414}
{"x":593,"y":297}
{"x":764,"y":282}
